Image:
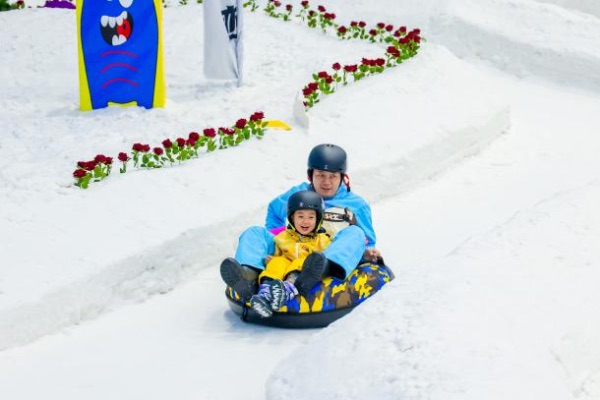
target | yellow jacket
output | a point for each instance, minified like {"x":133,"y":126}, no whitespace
{"x":291,"y":245}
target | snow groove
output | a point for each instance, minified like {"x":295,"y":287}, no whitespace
{"x":134,"y":279}
{"x":140,"y":276}
{"x":582,"y":70}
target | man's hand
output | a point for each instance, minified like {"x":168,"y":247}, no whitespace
{"x":372,"y":255}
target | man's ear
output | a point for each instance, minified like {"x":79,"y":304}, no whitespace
{"x":309,"y":172}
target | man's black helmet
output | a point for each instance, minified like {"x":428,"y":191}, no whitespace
{"x":327,"y":157}
{"x":306,"y":200}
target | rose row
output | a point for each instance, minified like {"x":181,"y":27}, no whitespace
{"x":171,"y":151}
{"x":402,"y":45}
{"x":325,"y":83}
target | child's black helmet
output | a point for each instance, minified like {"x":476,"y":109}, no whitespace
{"x":327,"y":157}
{"x":306,"y":200}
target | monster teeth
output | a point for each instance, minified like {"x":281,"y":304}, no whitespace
{"x":121,"y":17}
{"x":104,"y":20}
{"x":112,"y":22}
{"x":118,"y":39}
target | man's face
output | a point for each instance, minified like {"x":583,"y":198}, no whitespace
{"x":326,"y":183}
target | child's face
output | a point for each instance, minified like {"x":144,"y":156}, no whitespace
{"x":305,"y":221}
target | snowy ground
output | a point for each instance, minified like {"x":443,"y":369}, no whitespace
{"x":495,"y":295}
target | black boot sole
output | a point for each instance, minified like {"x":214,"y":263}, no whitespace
{"x":231,"y":273}
{"x":312,"y":273}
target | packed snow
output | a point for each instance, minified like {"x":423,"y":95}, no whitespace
{"x":479,"y":157}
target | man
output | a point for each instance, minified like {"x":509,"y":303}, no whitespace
{"x":355,"y":239}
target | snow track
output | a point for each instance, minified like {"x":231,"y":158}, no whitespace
{"x":484,"y":188}
{"x":155,"y":251}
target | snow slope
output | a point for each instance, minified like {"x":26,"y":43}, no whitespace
{"x":157,"y":233}
{"x":506,"y":312}
{"x":495,"y":291}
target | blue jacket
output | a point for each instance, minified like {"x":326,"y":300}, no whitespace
{"x":277,"y":212}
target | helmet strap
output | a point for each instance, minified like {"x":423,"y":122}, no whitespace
{"x":346,"y":181}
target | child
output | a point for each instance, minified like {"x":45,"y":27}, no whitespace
{"x":298,"y":245}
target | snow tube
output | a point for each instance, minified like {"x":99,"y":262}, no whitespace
{"x":331,"y":299}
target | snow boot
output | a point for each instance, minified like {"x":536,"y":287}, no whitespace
{"x":241,"y":278}
{"x":312,"y":272}
{"x":261,"y":302}
{"x":281,"y":292}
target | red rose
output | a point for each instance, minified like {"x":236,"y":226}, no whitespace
{"x":137,"y":147}
{"x":79,"y":173}
{"x":307,"y":91}
{"x":304,"y":4}
{"x":353,"y":24}
{"x":167,"y":143}
{"x":329,"y":80}
{"x":342,"y":29}
{"x":257,"y":116}
{"x":158,"y":151}
{"x":336,"y":66}
{"x":209,"y":132}
{"x":190,"y":142}
{"x":241,"y":123}
{"x":141,"y":147}
{"x":329,"y":16}
{"x":417,"y":31}
{"x":321,"y":9}
{"x":100,"y":158}
{"x":276,"y":3}
{"x":227,"y":131}
{"x":194,"y":136}
{"x":323,"y":74}
{"x":393,"y":51}
{"x":180,"y":142}
{"x":380,"y":62}
{"x":89,"y":165}
{"x":389,"y":28}
{"x":362,"y":24}
{"x":350,"y":68}
{"x":288,"y":7}
{"x":108,"y":161}
{"x":372,"y":32}
{"x":402,"y":29}
{"x":123,"y":157}
{"x":381,"y":25}
{"x":311,"y":13}
{"x":313,"y":86}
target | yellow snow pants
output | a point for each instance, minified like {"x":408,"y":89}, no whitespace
{"x":280,"y":267}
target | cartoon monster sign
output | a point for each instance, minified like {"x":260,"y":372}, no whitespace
{"x":120,"y":53}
